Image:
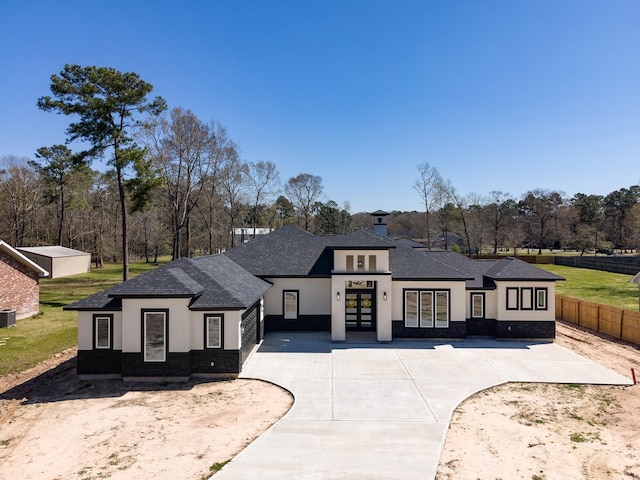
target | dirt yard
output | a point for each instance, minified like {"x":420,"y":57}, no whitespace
{"x":541,"y":431}
{"x":55,"y":426}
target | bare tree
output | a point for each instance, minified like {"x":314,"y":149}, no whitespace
{"x":263,"y":179}
{"x":20,"y":197}
{"x":429,"y":187}
{"x":232,"y":175}
{"x":182,"y":149}
{"x":500,"y":213}
{"x":538,"y":207}
{"x":304,"y":191}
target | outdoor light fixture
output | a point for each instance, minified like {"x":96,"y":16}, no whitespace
{"x":338,"y":296}
{"x":384,"y":296}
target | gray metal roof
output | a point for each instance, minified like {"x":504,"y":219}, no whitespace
{"x":53,"y":251}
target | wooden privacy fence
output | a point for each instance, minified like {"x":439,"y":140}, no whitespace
{"x":618,"y":322}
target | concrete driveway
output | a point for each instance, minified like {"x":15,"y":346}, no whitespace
{"x":381,"y":411}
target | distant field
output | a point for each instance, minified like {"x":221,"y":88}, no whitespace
{"x":596,"y":286}
{"x":54,"y":330}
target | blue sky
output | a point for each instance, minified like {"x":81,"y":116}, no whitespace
{"x":497,"y":95}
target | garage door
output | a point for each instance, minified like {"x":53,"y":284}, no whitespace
{"x":249,"y":329}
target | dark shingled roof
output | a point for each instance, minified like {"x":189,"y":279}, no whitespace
{"x":97,"y":301}
{"x":288,"y":251}
{"x":292,"y":252}
{"x":212,"y":282}
{"x":511,"y":268}
{"x":473,"y":268}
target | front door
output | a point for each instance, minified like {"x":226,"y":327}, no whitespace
{"x":360,"y":312}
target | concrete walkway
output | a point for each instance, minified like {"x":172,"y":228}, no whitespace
{"x":381,"y":411}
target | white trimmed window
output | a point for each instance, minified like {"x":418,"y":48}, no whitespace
{"x":213,"y":326}
{"x":426,"y":308}
{"x":155,"y":336}
{"x":102,"y":332}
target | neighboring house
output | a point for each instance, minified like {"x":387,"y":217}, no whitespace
{"x":204,"y":315}
{"x":19,"y":282}
{"x":59,"y":261}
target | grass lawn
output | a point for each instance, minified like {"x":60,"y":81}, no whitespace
{"x":596,"y":286}
{"x":53,"y":330}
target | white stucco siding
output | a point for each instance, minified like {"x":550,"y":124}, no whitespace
{"x":491,"y":304}
{"x":381,"y":260}
{"x":314,"y":297}
{"x":457,"y":297}
{"x":230,"y":329}
{"x":179,"y":323}
{"x":86,"y":331}
{"x":528,"y":314}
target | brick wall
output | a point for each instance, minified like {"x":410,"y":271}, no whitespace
{"x":19,"y":287}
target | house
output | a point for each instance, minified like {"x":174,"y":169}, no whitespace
{"x":59,"y":261}
{"x":205,"y":315}
{"x":19,"y":282}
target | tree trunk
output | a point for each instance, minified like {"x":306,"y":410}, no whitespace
{"x":123,"y":212}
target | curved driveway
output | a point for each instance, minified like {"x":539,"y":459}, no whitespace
{"x":381,"y":411}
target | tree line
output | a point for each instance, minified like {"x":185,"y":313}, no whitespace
{"x":538,"y":219}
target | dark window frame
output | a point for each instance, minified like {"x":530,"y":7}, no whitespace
{"x":284,"y":304}
{"x":97,"y":316}
{"x":480,"y":295}
{"x":143,"y":313}
{"x":517,"y":297}
{"x":207,"y":316}
{"x":526,"y":291}
{"x":434,"y":306}
{"x":544,"y":290}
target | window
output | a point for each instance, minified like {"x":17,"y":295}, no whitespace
{"x":102,"y":332}
{"x":431,"y":310}
{"x":290,"y":307}
{"x":442,"y":309}
{"x":213,"y":331}
{"x":512,"y":298}
{"x":155,"y":336}
{"x":526,"y":298}
{"x":349,"y":263}
{"x":411,"y":309}
{"x":361,"y":263}
{"x":477,"y":305}
{"x":541,"y":298}
{"x":426,"y":309}
{"x":372,"y":263}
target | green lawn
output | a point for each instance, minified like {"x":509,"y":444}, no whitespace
{"x":596,"y":286}
{"x":35,"y":339}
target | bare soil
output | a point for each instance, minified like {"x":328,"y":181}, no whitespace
{"x":55,"y":426}
{"x":543,"y":431}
